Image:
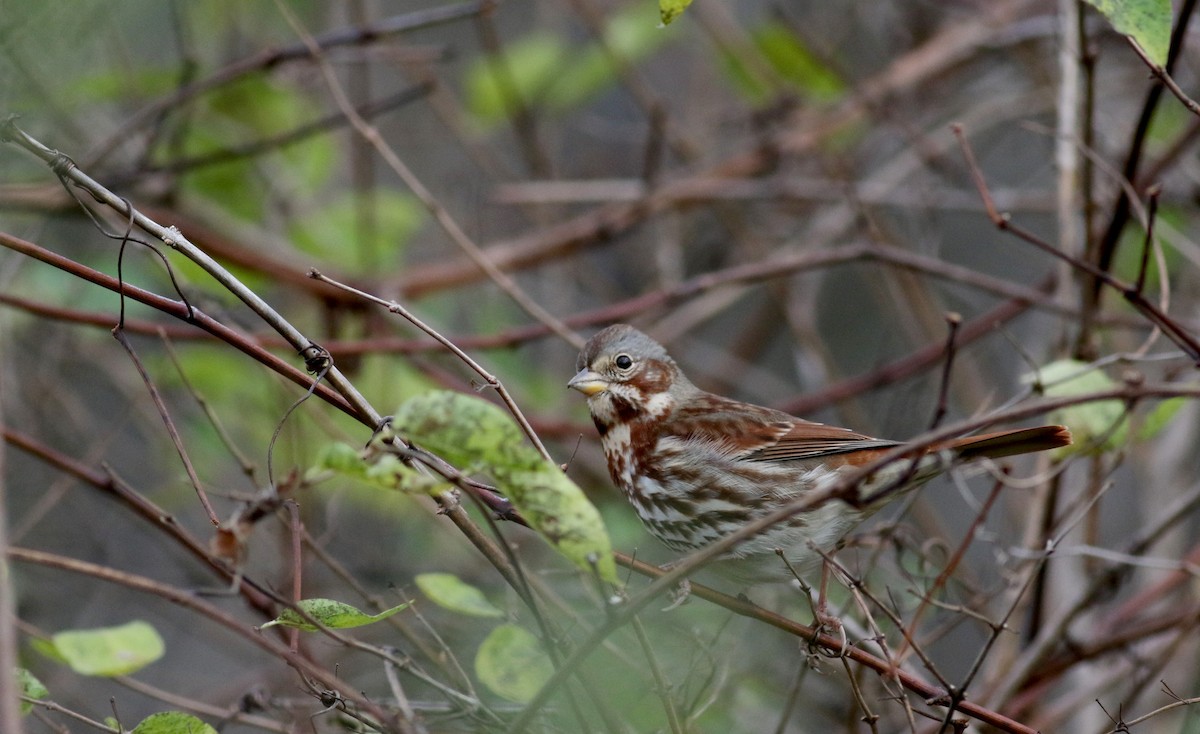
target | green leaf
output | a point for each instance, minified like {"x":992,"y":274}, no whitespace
{"x":555,"y":506}
{"x":377,"y":468}
{"x":529,"y":63}
{"x":465,"y":430}
{"x":231,"y":185}
{"x":512,"y":664}
{"x":329,"y":230}
{"x":124,"y":83}
{"x":786,"y":52}
{"x":311,"y":163}
{"x":30,"y":687}
{"x":1148,"y":22}
{"x":791,"y":61}
{"x":330,"y":613}
{"x":472,"y":433}
{"x":1097,"y":425}
{"x":1128,"y":261}
{"x":1159,"y":417}
{"x":339,"y":457}
{"x":47,"y":648}
{"x":450,"y":592}
{"x":669,"y":10}
{"x":252,"y":109}
{"x":631,"y":35}
{"x":541,"y":69}
{"x":260,"y":103}
{"x":172,"y":722}
{"x":109,"y":651}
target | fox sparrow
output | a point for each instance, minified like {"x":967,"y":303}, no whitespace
{"x":697,"y":466}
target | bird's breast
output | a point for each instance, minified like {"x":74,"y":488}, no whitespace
{"x":617,"y":441}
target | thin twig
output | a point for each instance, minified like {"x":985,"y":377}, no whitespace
{"x":172,"y":432}
{"x":237,"y":339}
{"x":953,"y":321}
{"x":273,"y":58}
{"x":440,"y":214}
{"x":845,"y":488}
{"x":1189,"y":344}
{"x":175,"y":239}
{"x":491,"y":380}
{"x":1148,"y":242}
{"x":1165,"y":77}
{"x":188,"y":600}
{"x":955,"y":559}
{"x":661,"y":685}
{"x":247,"y":466}
{"x":284,"y":139}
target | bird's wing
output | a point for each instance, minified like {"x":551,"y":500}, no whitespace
{"x":755,"y":433}
{"x":807,"y":440}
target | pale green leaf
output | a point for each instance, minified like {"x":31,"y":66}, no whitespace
{"x":1148,"y":22}
{"x":788,"y":55}
{"x":494,"y":86}
{"x":512,"y":664}
{"x":465,"y":430}
{"x":172,"y":722}
{"x":330,"y":230}
{"x":30,"y":687}
{"x":47,"y":648}
{"x":250,"y":109}
{"x":450,"y":592}
{"x":478,"y":436}
{"x":256,"y":103}
{"x":377,"y":468}
{"x":109,"y":651}
{"x":339,"y":457}
{"x":540,"y":69}
{"x":111,"y":84}
{"x":330,"y":613}
{"x":630,"y":34}
{"x":388,"y":472}
{"x":669,"y":10}
{"x":1158,"y":418}
{"x":1096,"y":425}
{"x":791,"y":61}
{"x":555,"y":506}
{"x":311,"y":163}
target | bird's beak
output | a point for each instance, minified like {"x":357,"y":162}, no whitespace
{"x":587,"y":382}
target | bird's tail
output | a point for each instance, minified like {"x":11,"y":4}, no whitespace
{"x":1008,"y":443}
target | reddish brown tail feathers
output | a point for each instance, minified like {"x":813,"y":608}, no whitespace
{"x":1010,"y":443}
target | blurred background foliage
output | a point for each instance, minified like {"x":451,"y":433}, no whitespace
{"x":598,"y":158}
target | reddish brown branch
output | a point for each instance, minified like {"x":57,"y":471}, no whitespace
{"x":1132,"y":293}
{"x":256,"y":595}
{"x":243,"y":343}
{"x":931,"y":694}
{"x":191,"y":601}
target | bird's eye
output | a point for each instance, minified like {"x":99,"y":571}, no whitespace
{"x":623,"y":361}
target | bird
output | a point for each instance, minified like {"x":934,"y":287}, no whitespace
{"x":697,"y":466}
